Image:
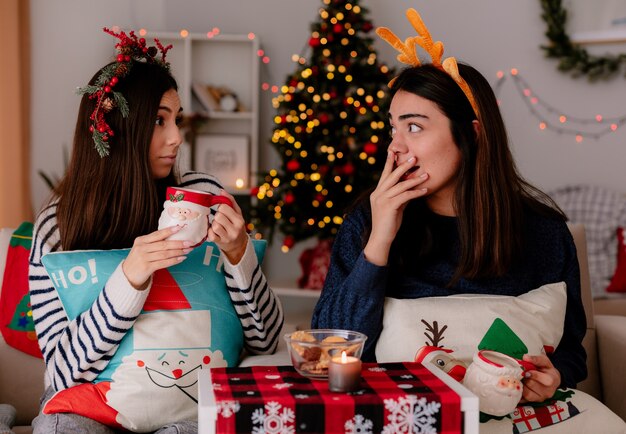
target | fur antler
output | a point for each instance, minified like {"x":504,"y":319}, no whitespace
{"x":408,"y":54}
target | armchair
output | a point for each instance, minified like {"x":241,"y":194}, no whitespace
{"x":605,"y":342}
{"x":21,"y":375}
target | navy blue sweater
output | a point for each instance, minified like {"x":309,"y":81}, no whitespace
{"x":355,"y":289}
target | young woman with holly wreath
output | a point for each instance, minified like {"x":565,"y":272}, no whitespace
{"x":111,"y":198}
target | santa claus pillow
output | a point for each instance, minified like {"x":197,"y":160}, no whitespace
{"x":618,"y":281}
{"x":188,"y":323}
{"x":460,"y":322}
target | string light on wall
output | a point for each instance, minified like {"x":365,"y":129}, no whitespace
{"x":555,"y":119}
{"x":215,"y":31}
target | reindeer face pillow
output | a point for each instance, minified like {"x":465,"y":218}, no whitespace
{"x":460,"y":322}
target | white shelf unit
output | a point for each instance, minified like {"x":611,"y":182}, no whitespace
{"x":222,"y":60}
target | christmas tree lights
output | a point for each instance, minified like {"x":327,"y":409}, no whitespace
{"x":330,"y":129}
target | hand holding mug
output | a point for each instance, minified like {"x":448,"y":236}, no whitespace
{"x":228,"y":230}
{"x":189,"y":209}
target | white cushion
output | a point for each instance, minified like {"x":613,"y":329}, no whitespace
{"x":594,"y":417}
{"x":460,"y":322}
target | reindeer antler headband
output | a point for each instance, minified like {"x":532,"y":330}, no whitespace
{"x":408,"y":54}
{"x":130,"y":49}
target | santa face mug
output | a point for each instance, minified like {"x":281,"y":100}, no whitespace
{"x":189,"y":209}
{"x":496,"y":379}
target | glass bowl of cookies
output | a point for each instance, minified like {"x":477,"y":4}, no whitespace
{"x":311,"y":350}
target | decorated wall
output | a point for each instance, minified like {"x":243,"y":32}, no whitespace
{"x":493,"y":35}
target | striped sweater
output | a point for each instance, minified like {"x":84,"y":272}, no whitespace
{"x":78,"y":351}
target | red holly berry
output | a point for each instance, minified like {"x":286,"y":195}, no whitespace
{"x":120,"y":57}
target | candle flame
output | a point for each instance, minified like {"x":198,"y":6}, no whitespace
{"x":344,"y":358}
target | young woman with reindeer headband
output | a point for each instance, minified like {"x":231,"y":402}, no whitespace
{"x":451,"y":215}
{"x":111,"y":198}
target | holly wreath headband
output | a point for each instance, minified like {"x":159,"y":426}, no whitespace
{"x":408,"y":54}
{"x":130,"y":49}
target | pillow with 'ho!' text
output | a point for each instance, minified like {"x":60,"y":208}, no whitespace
{"x":459,"y":322}
{"x":187,"y":323}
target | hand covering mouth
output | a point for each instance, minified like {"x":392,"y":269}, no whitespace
{"x":410,"y":172}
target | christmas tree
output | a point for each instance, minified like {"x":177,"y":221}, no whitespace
{"x":330,"y":129}
{"x":22,"y":320}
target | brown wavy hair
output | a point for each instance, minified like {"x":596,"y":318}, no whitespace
{"x":105,"y":203}
{"x":491,"y":195}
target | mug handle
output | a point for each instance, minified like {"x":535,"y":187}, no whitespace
{"x":217,"y":199}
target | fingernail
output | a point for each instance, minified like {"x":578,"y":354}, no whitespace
{"x":185,"y":251}
{"x":425,"y":190}
{"x":181,"y":258}
{"x":411,"y":160}
{"x":526,"y":374}
{"x":176,"y":228}
{"x":424,"y":175}
{"x":187,"y":243}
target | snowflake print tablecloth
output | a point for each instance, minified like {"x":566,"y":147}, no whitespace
{"x":393,"y":398}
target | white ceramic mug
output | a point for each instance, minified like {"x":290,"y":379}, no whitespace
{"x":496,"y":379}
{"x":189,"y":209}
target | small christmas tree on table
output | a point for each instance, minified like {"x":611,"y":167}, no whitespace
{"x":331,"y":130}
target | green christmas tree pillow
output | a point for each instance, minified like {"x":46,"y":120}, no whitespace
{"x":188,"y":323}
{"x":16,"y":316}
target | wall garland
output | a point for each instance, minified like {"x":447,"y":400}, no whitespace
{"x":551,"y":118}
{"x":573,"y":58}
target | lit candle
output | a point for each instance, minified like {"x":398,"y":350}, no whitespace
{"x":344,"y":373}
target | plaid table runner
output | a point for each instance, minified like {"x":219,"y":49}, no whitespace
{"x":393,"y":398}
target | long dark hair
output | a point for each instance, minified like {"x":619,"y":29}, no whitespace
{"x":491,"y":195}
{"x":105,"y":203}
